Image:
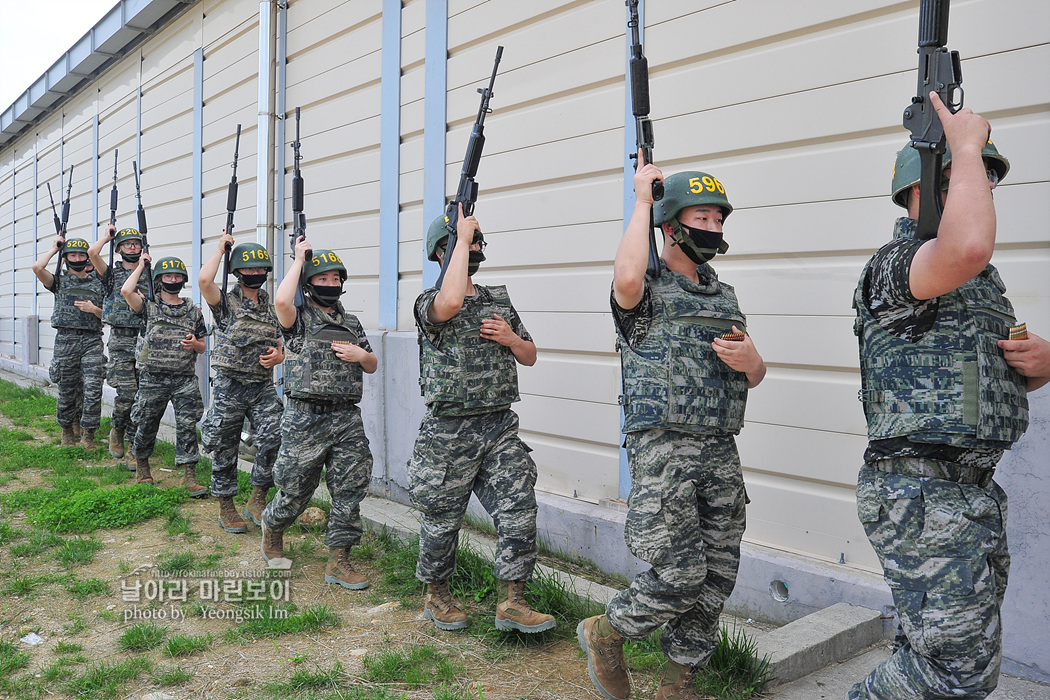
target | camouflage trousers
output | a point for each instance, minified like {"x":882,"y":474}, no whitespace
{"x":310,"y":441}
{"x":156,"y":389}
{"x":232,"y":400}
{"x":78,"y":369}
{"x":123,"y":377}
{"x":685,"y":517}
{"x":943,"y":550}
{"x":484,"y":455}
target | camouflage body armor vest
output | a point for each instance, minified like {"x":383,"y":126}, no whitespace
{"x":469,"y":370}
{"x":161,"y":349}
{"x":672,"y":378}
{"x":72,"y":289}
{"x":250,"y":331}
{"x":115,"y":309}
{"x":952,"y":387}
{"x":316,"y":372}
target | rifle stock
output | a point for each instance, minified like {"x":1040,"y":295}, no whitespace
{"x":940,"y":71}
{"x":643,"y":126}
{"x":467,"y":191}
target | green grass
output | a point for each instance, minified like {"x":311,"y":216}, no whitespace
{"x":25,"y":586}
{"x":178,"y":523}
{"x":176,"y":564}
{"x":88,"y":587}
{"x":9,"y":534}
{"x":76,"y":625}
{"x":142,"y":637}
{"x":415,"y":666}
{"x":735,"y":672}
{"x":172,"y":675}
{"x":77,"y":552}
{"x":11,"y":659}
{"x":317,"y":678}
{"x":265,"y":621}
{"x":102,"y":680}
{"x":30,"y":408}
{"x":67,"y":648}
{"x":38,"y":541}
{"x":185,"y":645}
{"x":58,"y":670}
{"x":120,"y":506}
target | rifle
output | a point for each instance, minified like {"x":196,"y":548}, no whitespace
{"x":467,"y":193}
{"x":142,"y":230}
{"x":298,"y":217}
{"x":60,"y":224}
{"x":939,"y":71}
{"x":643,"y":127}
{"x":231,"y":207}
{"x":113,"y":207}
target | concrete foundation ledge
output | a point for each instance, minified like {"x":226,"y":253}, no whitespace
{"x":819,"y":639}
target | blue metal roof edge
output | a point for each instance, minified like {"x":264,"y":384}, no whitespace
{"x":123,"y":28}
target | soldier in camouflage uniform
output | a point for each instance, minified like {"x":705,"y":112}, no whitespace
{"x":944,"y":394}
{"x":124,"y":329}
{"x":685,"y":386}
{"x":470,"y":340}
{"x":327,"y":354}
{"x":167,"y":360}
{"x":247,"y":348}
{"x":79,"y":364}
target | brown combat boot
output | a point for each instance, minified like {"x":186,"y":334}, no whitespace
{"x":68,"y":437}
{"x":442,"y":609}
{"x":340,"y":572}
{"x":189,"y":482}
{"x":116,"y":443}
{"x":677,"y":684}
{"x":76,"y":430}
{"x":256,"y":504}
{"x":87,"y":439}
{"x":604,"y":658}
{"x":273,"y":547}
{"x":514,"y":612}
{"x":229,"y":519}
{"x":142,"y":475}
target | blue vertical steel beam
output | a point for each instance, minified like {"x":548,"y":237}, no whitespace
{"x":629,"y":136}
{"x":36,"y":210}
{"x":198,"y":196}
{"x":280,"y":234}
{"x":389,"y":165}
{"x":434,"y":125}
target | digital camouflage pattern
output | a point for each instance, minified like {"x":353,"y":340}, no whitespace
{"x":78,"y":368}
{"x":69,"y":289}
{"x":156,"y":389}
{"x":943,"y":548}
{"x":672,"y":377}
{"x":166,"y":328}
{"x":462,"y":373}
{"x":312,"y":370}
{"x":233,"y":399}
{"x":244,"y":330}
{"x":454,"y":456}
{"x":951,"y":386}
{"x":122,"y":375}
{"x":685,"y":518}
{"x":310,"y":441}
{"x":115,"y":309}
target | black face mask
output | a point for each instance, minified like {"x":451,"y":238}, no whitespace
{"x":131,"y":257}
{"x":325,"y":296}
{"x":77,"y":266}
{"x":699,"y":245}
{"x":474,"y":262}
{"x":253,"y":281}
{"x":173,"y":287}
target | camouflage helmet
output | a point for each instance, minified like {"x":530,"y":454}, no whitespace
{"x":323,"y":261}
{"x":690,"y":189}
{"x":170,"y":264}
{"x":907,"y":170}
{"x":248,"y":255}
{"x":126,"y":234}
{"x":435,"y":235}
{"x":75,"y":245}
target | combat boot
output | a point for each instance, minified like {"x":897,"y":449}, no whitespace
{"x":142,"y":475}
{"x":68,"y":437}
{"x":272,"y":544}
{"x":116,"y":443}
{"x":514,"y":612}
{"x":677,"y":683}
{"x":604,"y":658}
{"x":256,"y":504}
{"x":76,"y":430}
{"x":189,"y":482}
{"x":339,"y":570}
{"x":442,"y":609}
{"x":229,"y":520}
{"x":87,"y":439}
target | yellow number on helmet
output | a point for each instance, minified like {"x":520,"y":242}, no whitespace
{"x":694,"y":185}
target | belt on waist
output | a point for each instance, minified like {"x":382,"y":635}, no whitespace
{"x":77,"y":331}
{"x":123,"y":332}
{"x":322,"y":406}
{"x":914,"y":466}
